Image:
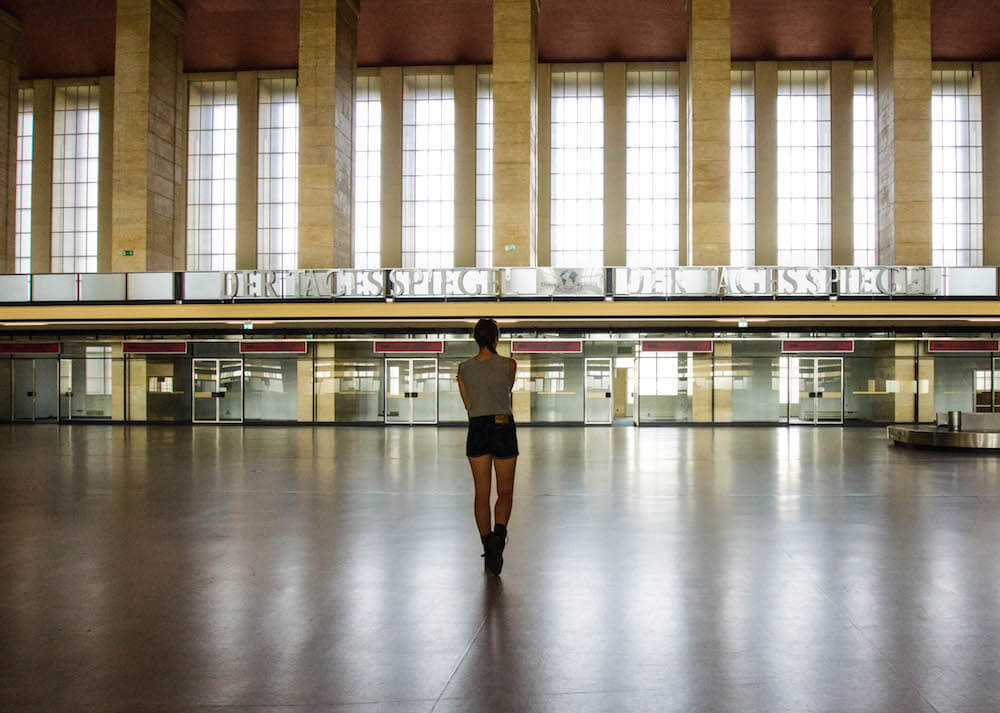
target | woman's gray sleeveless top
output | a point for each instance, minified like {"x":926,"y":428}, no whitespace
{"x":487,"y":385}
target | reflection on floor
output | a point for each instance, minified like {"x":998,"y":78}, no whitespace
{"x":337,"y":569}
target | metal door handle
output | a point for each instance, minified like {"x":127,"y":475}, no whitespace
{"x":607,"y":394}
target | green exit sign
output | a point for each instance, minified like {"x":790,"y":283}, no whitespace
{"x":128,"y":253}
{"x":510,"y":248}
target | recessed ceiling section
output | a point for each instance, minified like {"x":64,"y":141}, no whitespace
{"x":76,"y":37}
{"x":624,"y":30}
{"x":801,"y":29}
{"x":425,"y":32}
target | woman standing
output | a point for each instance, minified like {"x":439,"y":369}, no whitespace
{"x":485,"y":382}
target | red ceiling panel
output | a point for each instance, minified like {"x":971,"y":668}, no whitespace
{"x":965,"y":29}
{"x":223,"y":35}
{"x":76,"y":37}
{"x":801,"y":29}
{"x":598,"y":30}
{"x":414,"y":32}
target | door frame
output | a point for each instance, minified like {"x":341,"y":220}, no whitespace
{"x":34,"y":391}
{"x":815,"y":421}
{"x":408,"y":393}
{"x":610,"y":391}
{"x":218,"y":386}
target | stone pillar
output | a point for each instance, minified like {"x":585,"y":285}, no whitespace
{"x":708,"y":69}
{"x":991,"y":162}
{"x":391,"y":93}
{"x":10,"y":49}
{"x":41,"y":176}
{"x":465,"y":166}
{"x":119,"y":391}
{"x":905,"y":376}
{"x":682,"y":150}
{"x":326,"y":411}
{"x":105,"y":174}
{"x":248,"y":115}
{"x":765,"y":83}
{"x":902,"y":43}
{"x":701,"y":399}
{"x":305,"y":389}
{"x":842,"y":162}
{"x":149,"y":59}
{"x":544,"y":251}
{"x":614,"y":164}
{"x":138,"y":388}
{"x":515,"y":132}
{"x":328,"y":49}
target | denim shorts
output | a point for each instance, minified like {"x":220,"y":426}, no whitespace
{"x":487,"y":437}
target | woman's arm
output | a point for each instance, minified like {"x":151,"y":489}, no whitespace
{"x":461,"y":390}
{"x":513,"y":373}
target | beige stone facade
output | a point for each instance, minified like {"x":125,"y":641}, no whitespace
{"x":10,"y":47}
{"x":902,"y":34}
{"x":515,"y":132}
{"x":708,"y":73}
{"x":143,"y":202}
{"x":149,"y":103}
{"x":327,"y":60}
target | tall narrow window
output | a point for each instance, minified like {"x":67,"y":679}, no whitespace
{"x":804,"y":224}
{"x":865,"y":192}
{"x":957,"y":168}
{"x":577,"y":232}
{"x":277,"y":175}
{"x":652,"y":165}
{"x":22,"y":216}
{"x":211,"y":225}
{"x":742,"y":171}
{"x":74,"y":179}
{"x":484,"y":170}
{"x":428,"y":170}
{"x":367,"y":173}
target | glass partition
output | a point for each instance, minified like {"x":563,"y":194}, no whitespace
{"x":554,"y":385}
{"x":757,"y":396}
{"x":450,"y":406}
{"x":85,"y":382}
{"x":168,"y":388}
{"x":962,"y":383}
{"x":666,"y":387}
{"x":348,"y":383}
{"x":272,"y":388}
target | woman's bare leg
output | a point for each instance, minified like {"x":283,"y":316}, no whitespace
{"x":505,"y":488}
{"x":481,"y":476}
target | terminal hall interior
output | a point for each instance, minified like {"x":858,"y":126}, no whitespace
{"x":735,"y":247}
{"x":293,"y":211}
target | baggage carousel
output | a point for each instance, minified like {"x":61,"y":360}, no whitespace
{"x":965,"y":431}
{"x":933,"y":437}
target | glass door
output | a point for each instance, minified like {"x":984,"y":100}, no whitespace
{"x":598,"y":405}
{"x":397,"y":391}
{"x":995,"y":385}
{"x":36,"y":389}
{"x":819,"y":382}
{"x":424,"y":401}
{"x":218,"y":390}
{"x":411,"y":393}
{"x":828,"y":403}
{"x":231,"y":387}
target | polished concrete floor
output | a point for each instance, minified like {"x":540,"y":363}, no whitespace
{"x":664,"y":569}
